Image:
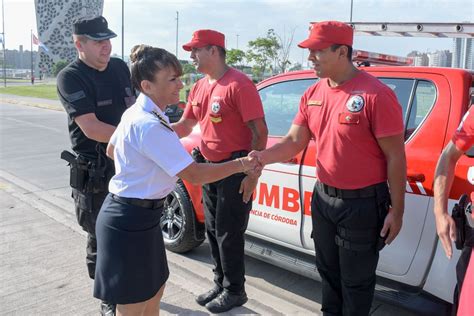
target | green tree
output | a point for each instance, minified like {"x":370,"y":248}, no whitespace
{"x":235,"y":57}
{"x":57,"y":67}
{"x":296,"y":66}
{"x":188,"y":69}
{"x":263,"y":52}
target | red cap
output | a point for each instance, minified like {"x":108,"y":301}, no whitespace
{"x":327,"y":33}
{"x":203,"y":38}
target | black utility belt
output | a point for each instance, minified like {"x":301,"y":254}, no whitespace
{"x":366,"y":192}
{"x":233,"y":155}
{"x":145,"y":203}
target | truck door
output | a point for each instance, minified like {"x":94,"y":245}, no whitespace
{"x":276,"y":212}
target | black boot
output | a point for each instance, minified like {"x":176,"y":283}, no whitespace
{"x":226,"y":301}
{"x":107,"y":309}
{"x":205,"y":298}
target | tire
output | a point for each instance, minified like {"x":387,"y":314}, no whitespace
{"x":178,"y":223}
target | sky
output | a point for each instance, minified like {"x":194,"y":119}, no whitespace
{"x":153,"y":22}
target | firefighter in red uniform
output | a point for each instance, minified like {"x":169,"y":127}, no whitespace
{"x":229,"y":111}
{"x":357,"y":124}
{"x":461,"y":142}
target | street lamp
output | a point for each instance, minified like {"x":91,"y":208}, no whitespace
{"x":3,"y":45}
{"x":177,"y":22}
{"x":350,"y":18}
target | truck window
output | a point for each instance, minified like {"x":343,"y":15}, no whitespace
{"x":280,"y":103}
{"x":416,"y":98}
{"x":425,"y":96}
{"x":403,"y":89}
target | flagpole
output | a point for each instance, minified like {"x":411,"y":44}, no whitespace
{"x":122,"y":26}
{"x":3,"y":44}
{"x":31,"y":40}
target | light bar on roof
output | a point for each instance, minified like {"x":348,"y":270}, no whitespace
{"x":380,"y":59}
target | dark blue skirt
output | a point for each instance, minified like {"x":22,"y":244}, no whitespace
{"x":131,"y":259}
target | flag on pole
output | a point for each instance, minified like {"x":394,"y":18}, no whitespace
{"x":37,"y":42}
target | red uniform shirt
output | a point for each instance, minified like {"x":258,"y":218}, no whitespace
{"x":345,"y":122}
{"x":464,"y":136}
{"x":222,"y":110}
{"x":464,"y":140}
{"x":466,"y":302}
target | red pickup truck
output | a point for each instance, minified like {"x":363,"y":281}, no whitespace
{"x":434,"y":101}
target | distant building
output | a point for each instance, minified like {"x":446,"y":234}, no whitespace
{"x":440,"y":58}
{"x":463,"y":53}
{"x":419,"y":59}
{"x":19,"y":59}
{"x":54,"y":20}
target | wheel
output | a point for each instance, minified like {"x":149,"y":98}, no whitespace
{"x":178,"y":223}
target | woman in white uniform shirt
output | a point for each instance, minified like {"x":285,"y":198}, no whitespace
{"x":131,"y":260}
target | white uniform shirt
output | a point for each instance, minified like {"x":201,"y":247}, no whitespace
{"x":147,"y":153}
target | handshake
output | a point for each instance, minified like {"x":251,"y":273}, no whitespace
{"x":252,"y":164}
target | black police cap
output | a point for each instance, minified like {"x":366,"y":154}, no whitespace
{"x":96,"y":29}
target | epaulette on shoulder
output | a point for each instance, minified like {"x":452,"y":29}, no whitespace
{"x":162,"y":121}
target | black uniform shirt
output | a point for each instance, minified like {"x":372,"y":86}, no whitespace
{"x":82,"y":90}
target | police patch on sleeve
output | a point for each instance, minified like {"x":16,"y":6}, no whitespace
{"x":355,"y":104}
{"x":73,"y":97}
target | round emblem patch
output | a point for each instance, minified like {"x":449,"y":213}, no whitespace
{"x":355,"y":104}
{"x":215,"y":107}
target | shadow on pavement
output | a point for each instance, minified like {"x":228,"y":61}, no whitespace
{"x":274,"y":276}
{"x":176,"y":310}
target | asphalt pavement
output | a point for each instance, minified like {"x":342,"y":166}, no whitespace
{"x":42,"y":249}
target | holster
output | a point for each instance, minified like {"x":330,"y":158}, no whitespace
{"x":78,"y":170}
{"x":459,"y":216}
{"x":383,"y":205}
{"x":99,"y":172}
{"x":89,"y":176}
{"x":197,"y":156}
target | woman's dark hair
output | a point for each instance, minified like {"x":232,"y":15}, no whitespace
{"x":147,"y":61}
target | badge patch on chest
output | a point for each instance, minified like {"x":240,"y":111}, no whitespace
{"x":348,"y":118}
{"x":215,"y":107}
{"x":355,"y":104}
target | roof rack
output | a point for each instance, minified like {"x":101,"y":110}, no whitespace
{"x":440,"y":30}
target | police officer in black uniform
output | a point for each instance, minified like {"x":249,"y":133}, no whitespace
{"x":95,"y":90}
